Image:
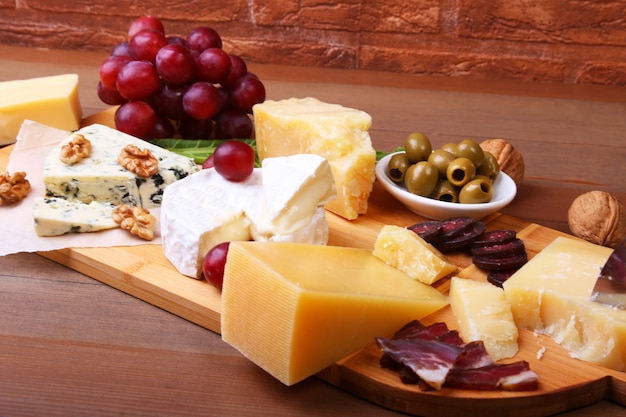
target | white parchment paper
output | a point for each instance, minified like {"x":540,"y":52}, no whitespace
{"x":17,"y":230}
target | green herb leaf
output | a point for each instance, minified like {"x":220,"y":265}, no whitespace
{"x":199,"y":149}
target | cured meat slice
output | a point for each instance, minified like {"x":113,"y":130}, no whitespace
{"x":474,"y":356}
{"x":416,"y":330}
{"x":516,"y":376}
{"x":429,"y":230}
{"x":463,"y":238}
{"x":431,"y":360}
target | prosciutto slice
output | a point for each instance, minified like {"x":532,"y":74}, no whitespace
{"x":431,"y":360}
{"x":437,"y":357}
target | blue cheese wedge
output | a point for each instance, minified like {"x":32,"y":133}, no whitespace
{"x":101,"y":178}
{"x":57,"y":216}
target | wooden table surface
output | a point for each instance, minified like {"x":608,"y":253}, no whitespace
{"x":70,"y":345}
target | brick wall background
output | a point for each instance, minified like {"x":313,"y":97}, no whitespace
{"x":566,"y":41}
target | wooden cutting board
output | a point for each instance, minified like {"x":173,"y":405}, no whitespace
{"x":565,"y":383}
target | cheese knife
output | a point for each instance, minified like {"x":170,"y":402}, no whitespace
{"x":610,"y":287}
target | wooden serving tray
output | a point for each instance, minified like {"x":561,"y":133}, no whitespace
{"x":565,"y":383}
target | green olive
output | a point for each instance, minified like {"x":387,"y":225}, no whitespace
{"x":449,"y":147}
{"x":471,"y":150}
{"x":421,"y":179}
{"x":476,"y":191}
{"x":483,"y":177}
{"x":446,"y":192}
{"x":417,"y":147}
{"x":398,"y":164}
{"x":460,"y":171}
{"x":490,"y":167}
{"x":440,"y":159}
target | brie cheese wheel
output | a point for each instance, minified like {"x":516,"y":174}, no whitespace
{"x":101,"y":178}
{"x":339,"y":134}
{"x":277,"y":203}
{"x":57,"y":216}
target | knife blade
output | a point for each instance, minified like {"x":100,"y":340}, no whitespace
{"x":610,"y":287}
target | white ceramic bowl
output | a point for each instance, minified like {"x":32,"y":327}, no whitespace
{"x":504,"y":191}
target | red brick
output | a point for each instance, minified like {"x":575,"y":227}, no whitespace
{"x":586,"y":22}
{"x":605,"y":73}
{"x":422,"y":62}
{"x":401,"y":16}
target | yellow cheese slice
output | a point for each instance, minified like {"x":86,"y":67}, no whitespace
{"x":551,"y":294}
{"x":338,"y":133}
{"x":51,"y":101}
{"x":405,"y":250}
{"x":484,"y":313}
{"x":294,"y":308}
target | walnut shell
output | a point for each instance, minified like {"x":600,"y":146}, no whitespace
{"x":598,"y":217}
{"x":509,"y":159}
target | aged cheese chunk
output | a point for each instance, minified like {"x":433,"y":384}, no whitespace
{"x":484,"y":313}
{"x":551,"y":294}
{"x":52,"y":101}
{"x":57,"y":216}
{"x":101,"y":178}
{"x":338,"y":133}
{"x":294,"y":309}
{"x":405,"y":250}
{"x":282,"y":201}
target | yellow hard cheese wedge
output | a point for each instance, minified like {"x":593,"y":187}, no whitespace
{"x":295,"y":309}
{"x":484,"y":313}
{"x":551,"y":294}
{"x":338,"y":133}
{"x":406,"y":251}
{"x":51,"y":101}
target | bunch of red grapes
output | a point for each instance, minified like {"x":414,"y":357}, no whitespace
{"x":172,"y":85}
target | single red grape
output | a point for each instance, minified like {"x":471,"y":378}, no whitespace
{"x":122,"y":49}
{"x":238,"y":68}
{"x":138,"y":80}
{"x":109,"y":69}
{"x":191,"y":128}
{"x":214,"y":264}
{"x":246,"y":92}
{"x":146,"y":44}
{"x":163,"y":128}
{"x":208,"y":163}
{"x":169,"y":101}
{"x":145,"y":22}
{"x":201,"y":100}
{"x":213,"y":65}
{"x":202,"y":38}
{"x":175,"y":64}
{"x":234,"y":160}
{"x":177,"y":40}
{"x":110,"y":97}
{"x":232,"y":124}
{"x":136,"y":118}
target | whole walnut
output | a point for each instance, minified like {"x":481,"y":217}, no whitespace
{"x":598,"y":217}
{"x":509,"y":159}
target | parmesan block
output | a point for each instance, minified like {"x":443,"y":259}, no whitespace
{"x":52,"y":101}
{"x":551,"y":295}
{"x":406,"y":251}
{"x":295,"y":309}
{"x":484,"y":313}
{"x":338,"y":133}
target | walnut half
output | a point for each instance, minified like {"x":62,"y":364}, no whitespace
{"x":136,"y":220}
{"x":75,"y":150}
{"x":13,"y":187}
{"x":598,"y":217}
{"x":139,"y":161}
